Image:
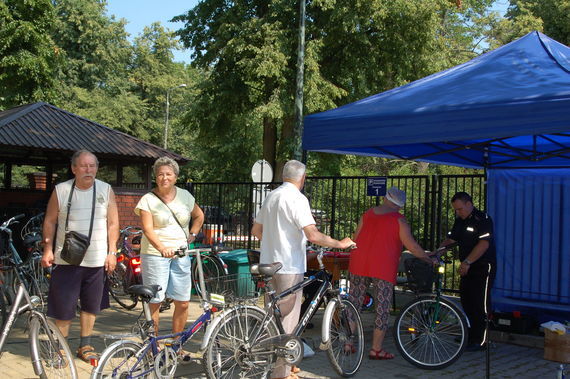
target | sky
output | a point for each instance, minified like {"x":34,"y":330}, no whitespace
{"x":141,"y":13}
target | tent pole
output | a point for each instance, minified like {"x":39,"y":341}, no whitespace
{"x":488,"y":337}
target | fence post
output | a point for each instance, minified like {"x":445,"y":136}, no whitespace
{"x":250,"y":215}
{"x":428,"y":241}
{"x":333,"y":208}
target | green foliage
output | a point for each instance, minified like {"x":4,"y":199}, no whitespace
{"x":95,"y":47}
{"x":354,"y":49}
{"x":29,"y":57}
{"x":550,"y":16}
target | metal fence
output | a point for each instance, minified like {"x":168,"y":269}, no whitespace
{"x":338,"y":203}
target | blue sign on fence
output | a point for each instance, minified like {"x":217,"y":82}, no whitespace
{"x":376,"y":186}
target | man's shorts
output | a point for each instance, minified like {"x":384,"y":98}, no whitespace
{"x":173,"y":275}
{"x":71,"y":283}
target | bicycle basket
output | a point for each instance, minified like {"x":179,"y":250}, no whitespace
{"x":420,"y":275}
{"x":232,"y":288}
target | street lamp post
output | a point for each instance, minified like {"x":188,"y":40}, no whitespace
{"x":167,"y":111}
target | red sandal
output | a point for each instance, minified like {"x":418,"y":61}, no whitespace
{"x":379,"y":355}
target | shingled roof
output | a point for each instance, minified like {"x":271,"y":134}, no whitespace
{"x":44,"y":128}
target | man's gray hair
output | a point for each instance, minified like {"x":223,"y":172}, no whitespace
{"x":293,"y":170}
{"x":165,"y":161}
{"x":78,"y":153}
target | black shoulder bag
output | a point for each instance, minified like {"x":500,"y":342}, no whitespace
{"x":76,"y":244}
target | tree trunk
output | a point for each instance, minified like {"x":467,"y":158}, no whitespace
{"x":286,"y":145}
{"x":269,"y":142}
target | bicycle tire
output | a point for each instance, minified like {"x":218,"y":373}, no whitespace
{"x":51,"y":356}
{"x":212,"y":267}
{"x":121,"y":356}
{"x":346,"y":342}
{"x":118,"y":288}
{"x":226,"y":355}
{"x":426,"y":344}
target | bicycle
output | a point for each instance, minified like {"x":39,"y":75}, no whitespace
{"x":50,"y":354}
{"x":245,"y":340}
{"x":31,"y":235}
{"x":127,"y":272}
{"x":129,"y":359}
{"x":213,"y":266}
{"x":431,"y":331}
{"x":31,"y":274}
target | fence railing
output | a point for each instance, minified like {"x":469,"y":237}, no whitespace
{"x":337,"y":204}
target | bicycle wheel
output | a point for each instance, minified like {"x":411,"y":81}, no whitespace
{"x":346,"y":338}
{"x":430,"y":334}
{"x":117,"y":288}
{"x":50,"y":353}
{"x":212,"y":268}
{"x":229,"y":352}
{"x":119,"y":360}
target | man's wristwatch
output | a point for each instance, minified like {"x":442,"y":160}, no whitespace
{"x":467,"y":262}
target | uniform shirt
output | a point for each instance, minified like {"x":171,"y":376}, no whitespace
{"x":164,"y":225}
{"x":478,"y":226}
{"x":284,"y":214}
{"x":80,"y":219}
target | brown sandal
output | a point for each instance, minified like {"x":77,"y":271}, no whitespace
{"x":87,"y":353}
{"x":379,"y":355}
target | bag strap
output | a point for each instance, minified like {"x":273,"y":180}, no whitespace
{"x":92,"y":208}
{"x":171,"y":211}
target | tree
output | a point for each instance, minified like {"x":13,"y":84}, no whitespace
{"x":95,"y":46}
{"x":29,"y":57}
{"x":354,"y":49}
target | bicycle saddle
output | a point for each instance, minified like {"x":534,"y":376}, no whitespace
{"x":265,"y":269}
{"x":144,"y":292}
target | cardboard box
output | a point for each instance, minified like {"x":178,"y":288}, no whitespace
{"x":557,"y":346}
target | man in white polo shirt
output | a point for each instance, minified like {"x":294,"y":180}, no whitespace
{"x":284,"y":224}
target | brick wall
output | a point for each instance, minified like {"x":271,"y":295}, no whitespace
{"x":126,"y":202}
{"x":13,"y":202}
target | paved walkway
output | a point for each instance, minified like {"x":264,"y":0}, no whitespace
{"x":507,"y":360}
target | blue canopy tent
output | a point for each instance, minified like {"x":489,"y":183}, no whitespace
{"x":505,"y":110}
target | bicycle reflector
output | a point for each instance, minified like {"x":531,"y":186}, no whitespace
{"x":412,"y":330}
{"x":120,"y":258}
{"x":136,"y":263}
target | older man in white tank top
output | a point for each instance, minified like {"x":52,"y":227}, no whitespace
{"x":84,"y":282}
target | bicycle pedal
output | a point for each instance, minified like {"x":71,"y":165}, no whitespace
{"x":94,"y":362}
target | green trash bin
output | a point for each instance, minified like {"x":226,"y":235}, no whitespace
{"x":240,"y":281}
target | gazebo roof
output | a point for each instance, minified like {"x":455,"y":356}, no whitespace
{"x":41,"y":129}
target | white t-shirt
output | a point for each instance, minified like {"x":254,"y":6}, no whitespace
{"x":284,"y":214}
{"x":164,"y":224}
{"x":80,"y":219}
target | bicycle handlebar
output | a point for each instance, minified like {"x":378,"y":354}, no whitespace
{"x":128,"y":231}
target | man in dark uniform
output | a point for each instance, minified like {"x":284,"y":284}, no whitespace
{"x":473,"y":232}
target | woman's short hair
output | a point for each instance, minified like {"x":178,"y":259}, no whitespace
{"x":166,"y":161}
{"x":293,"y":170}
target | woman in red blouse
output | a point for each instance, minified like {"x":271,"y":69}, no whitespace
{"x":380,"y":236}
